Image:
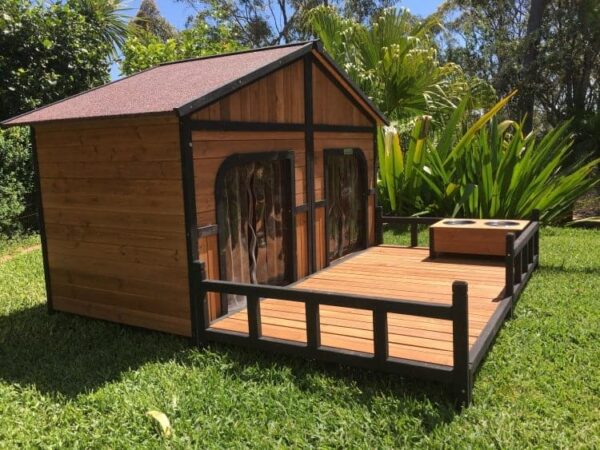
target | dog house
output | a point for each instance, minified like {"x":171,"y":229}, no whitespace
{"x":232,"y":198}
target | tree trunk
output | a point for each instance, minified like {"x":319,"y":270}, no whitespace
{"x":530,"y":54}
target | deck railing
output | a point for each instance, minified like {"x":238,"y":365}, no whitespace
{"x":412,"y":222}
{"x":459,"y":375}
{"x":522,"y":256}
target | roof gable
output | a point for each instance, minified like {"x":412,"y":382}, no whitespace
{"x":180,"y":87}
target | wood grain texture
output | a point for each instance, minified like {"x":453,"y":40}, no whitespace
{"x":374,"y":117}
{"x":302,"y":244}
{"x":209,"y":154}
{"x":113,"y":204}
{"x":331,"y":106}
{"x":208,"y":250}
{"x":390,"y":272}
{"x":320,"y":238}
{"x":276,"y":98}
{"x":476,"y":238}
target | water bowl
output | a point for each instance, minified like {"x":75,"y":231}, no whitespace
{"x":458,"y":222}
{"x":501,"y":223}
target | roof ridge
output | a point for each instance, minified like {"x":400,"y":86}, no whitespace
{"x":241,"y":52}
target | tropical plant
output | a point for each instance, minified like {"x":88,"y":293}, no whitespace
{"x":491,"y":170}
{"x":394,"y":60}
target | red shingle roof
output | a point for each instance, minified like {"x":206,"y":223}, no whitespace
{"x":164,"y":88}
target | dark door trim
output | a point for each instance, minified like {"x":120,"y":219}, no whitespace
{"x":364,"y":181}
{"x":240,"y":159}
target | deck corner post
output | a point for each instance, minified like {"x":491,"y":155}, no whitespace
{"x":313,"y":325}
{"x":199,"y":311}
{"x":463,"y":383}
{"x":431,"y":243}
{"x":380,"y":334}
{"x":414,"y":234}
{"x":510,"y":265}
{"x":379,"y":225}
{"x":535,"y":215}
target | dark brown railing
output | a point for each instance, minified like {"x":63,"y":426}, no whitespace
{"x":459,"y":375}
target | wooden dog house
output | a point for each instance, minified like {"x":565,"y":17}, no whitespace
{"x":132,"y":175}
{"x":232,"y":198}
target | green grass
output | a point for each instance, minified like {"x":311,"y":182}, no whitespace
{"x":67,"y":381}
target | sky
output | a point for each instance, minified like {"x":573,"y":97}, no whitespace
{"x":177,"y":13}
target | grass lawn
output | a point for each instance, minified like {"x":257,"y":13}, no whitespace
{"x":67,"y":381}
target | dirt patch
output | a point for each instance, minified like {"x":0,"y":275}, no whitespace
{"x":19,"y":252}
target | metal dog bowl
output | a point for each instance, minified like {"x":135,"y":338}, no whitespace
{"x":458,"y":222}
{"x":501,"y":223}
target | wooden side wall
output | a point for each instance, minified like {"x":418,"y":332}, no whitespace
{"x":113,"y":206}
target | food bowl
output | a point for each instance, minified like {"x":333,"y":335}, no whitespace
{"x":458,"y":222}
{"x":501,"y":223}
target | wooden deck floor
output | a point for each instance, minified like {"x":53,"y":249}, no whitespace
{"x":386,"y":271}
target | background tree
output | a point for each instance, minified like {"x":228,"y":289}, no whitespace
{"x":49,"y":51}
{"x":547,"y":49}
{"x":149,"y":19}
{"x":202,"y":37}
{"x":270,"y":22}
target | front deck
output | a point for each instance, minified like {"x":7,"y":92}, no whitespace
{"x":405,"y":310}
{"x":386,"y":272}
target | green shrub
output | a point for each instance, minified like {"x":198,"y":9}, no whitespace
{"x":491,"y":170}
{"x":17,"y":212}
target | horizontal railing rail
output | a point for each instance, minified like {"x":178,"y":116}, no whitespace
{"x":459,"y":374}
{"x":411,"y":221}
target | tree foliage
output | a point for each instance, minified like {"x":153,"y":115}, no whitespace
{"x":394,"y":60}
{"x":49,"y":51}
{"x":270,"y":22}
{"x":143,"y":49}
{"x":490,"y":39}
{"x":149,"y":19}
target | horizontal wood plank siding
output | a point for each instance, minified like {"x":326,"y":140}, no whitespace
{"x":113,"y":204}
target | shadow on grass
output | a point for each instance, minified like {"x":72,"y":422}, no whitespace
{"x":68,"y":355}
{"x":64,"y":354}
{"x":432,"y":404}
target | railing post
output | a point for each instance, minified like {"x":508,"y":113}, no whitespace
{"x":313,"y":325}
{"x":199,"y":308}
{"x":431,"y":244}
{"x":254,"y":323}
{"x":460,"y":343}
{"x":535,"y":216}
{"x":378,"y":225}
{"x":414,"y":234}
{"x":380,"y":334}
{"x":510,"y":265}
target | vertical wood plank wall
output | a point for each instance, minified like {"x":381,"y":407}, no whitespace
{"x":332,"y":107}
{"x":277,"y":98}
{"x":113,"y":206}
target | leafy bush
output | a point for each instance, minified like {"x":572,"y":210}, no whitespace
{"x":16,"y":182}
{"x":491,"y":170}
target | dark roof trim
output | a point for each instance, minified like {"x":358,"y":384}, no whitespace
{"x":304,"y":48}
{"x":238,"y":52}
{"x":342,"y":73}
{"x":243,"y":81}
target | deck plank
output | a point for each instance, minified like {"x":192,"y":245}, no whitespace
{"x":387,"y":272}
